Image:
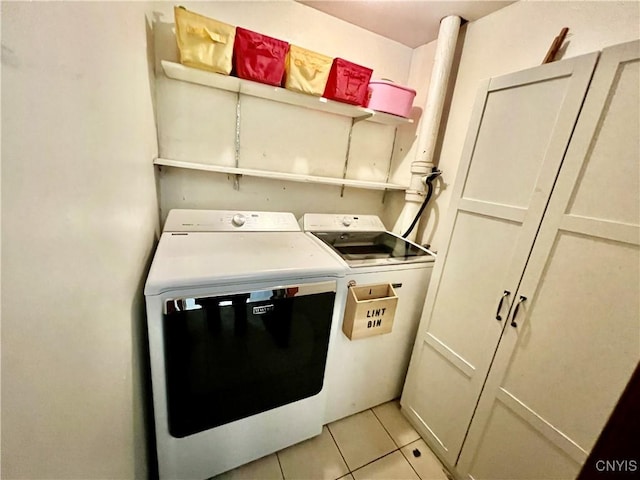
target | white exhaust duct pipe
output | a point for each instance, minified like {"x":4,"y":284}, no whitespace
{"x":428,"y":133}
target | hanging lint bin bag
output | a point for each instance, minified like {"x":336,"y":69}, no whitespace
{"x":258,"y":57}
{"x":348,"y":82}
{"x":203,"y":42}
{"x":307,"y":71}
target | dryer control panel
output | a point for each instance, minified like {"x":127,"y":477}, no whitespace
{"x":329,"y":222}
{"x":229,"y":221}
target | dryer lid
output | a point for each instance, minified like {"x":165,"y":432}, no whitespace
{"x":199,"y":259}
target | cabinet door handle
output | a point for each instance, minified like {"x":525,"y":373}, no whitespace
{"x":515,"y":312}
{"x":504,"y":295}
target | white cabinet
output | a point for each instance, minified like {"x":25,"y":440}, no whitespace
{"x":521,"y":388}
{"x":520,"y":127}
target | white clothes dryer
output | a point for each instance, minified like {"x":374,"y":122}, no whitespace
{"x":369,"y":371}
{"x":241,"y":309}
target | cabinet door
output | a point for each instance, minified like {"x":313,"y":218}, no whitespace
{"x":565,"y":360}
{"x":520,"y":127}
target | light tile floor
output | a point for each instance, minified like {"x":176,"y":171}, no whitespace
{"x":375,"y":444}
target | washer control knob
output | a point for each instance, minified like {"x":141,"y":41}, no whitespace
{"x":346,"y":221}
{"x":238,"y":220}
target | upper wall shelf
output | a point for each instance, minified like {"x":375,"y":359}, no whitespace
{"x":280,"y":176}
{"x":277,"y":94}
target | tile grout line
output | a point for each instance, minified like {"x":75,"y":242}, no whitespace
{"x":368,"y":463}
{"x":409,"y":462}
{"x":386,"y":454}
{"x":388,"y":432}
{"x":339,"y":451}
{"x":441,"y":466}
{"x":399,"y":447}
{"x":375,"y":460}
{"x":280,"y":465}
{"x":385,"y":428}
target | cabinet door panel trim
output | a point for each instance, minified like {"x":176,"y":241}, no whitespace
{"x":496,"y":210}
{"x":549,"y":71}
{"x":412,"y":413}
{"x":560,"y":440}
{"x":615,"y":231}
{"x":452,"y":357}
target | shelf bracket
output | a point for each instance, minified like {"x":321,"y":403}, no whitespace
{"x":346,"y":156}
{"x":237,"y":138}
{"x":393,"y":148}
{"x":236,"y":180}
{"x":361,"y":118}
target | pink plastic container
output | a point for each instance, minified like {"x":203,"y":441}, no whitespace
{"x":389,"y":97}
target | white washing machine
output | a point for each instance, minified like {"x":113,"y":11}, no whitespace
{"x":241,"y":309}
{"x":369,"y":371}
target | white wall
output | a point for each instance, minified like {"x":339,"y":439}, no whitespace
{"x":79,"y":216}
{"x":79,"y":221}
{"x":512,"y":39}
{"x":197,"y":124}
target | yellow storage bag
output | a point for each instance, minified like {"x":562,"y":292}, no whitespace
{"x":203,"y":42}
{"x":306,"y":71}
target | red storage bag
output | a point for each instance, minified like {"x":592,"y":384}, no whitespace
{"x":258,"y":57}
{"x":348,"y":82}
